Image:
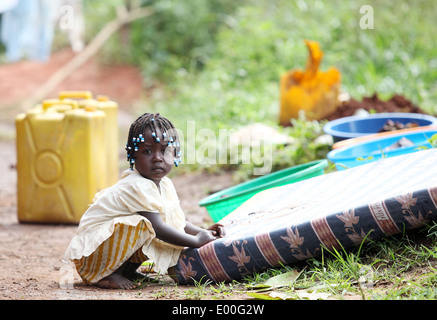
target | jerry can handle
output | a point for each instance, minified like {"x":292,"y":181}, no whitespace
{"x":55,"y":102}
{"x":75,"y":95}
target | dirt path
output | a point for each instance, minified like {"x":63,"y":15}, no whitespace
{"x":30,"y":254}
{"x":20,"y":79}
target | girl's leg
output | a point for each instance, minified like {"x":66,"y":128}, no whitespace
{"x":132,"y":274}
{"x":117,"y":280}
{"x":130,"y":271}
{"x":125,"y":277}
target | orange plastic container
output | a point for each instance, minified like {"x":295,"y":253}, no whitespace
{"x":61,"y":161}
{"x":312,"y":91}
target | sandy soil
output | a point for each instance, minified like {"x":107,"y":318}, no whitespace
{"x":30,"y":254}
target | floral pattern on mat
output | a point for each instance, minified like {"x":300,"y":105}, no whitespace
{"x":288,"y":224}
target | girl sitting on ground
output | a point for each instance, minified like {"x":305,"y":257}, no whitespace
{"x":139,"y":218}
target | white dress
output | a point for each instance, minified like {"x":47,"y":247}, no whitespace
{"x":111,"y":231}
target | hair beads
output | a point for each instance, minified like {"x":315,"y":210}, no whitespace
{"x":152,"y":121}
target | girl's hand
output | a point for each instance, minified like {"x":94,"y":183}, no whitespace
{"x":204,"y":236}
{"x":193,"y":237}
{"x":217,"y":230}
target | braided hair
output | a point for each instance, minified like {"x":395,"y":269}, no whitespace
{"x":152,"y":121}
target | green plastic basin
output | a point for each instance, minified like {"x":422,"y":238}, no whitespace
{"x":220,"y":204}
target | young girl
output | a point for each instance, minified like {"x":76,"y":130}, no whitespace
{"x":138,"y":218}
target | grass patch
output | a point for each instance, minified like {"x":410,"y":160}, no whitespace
{"x":399,"y":267}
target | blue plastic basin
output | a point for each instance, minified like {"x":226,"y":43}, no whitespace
{"x":373,"y":150}
{"x":357,"y":126}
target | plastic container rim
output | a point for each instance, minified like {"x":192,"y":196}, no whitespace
{"x":333,"y":155}
{"x":214,"y":198}
{"x":328,"y":128}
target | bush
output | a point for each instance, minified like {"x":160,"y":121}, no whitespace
{"x":179,"y":35}
{"x":220,"y":64}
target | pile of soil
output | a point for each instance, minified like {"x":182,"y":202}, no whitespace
{"x":397,"y":103}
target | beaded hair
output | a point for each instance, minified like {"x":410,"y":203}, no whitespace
{"x":152,"y":121}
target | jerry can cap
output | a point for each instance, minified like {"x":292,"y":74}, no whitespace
{"x":102,"y":98}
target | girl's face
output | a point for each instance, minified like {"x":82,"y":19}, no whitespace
{"x":154,"y":160}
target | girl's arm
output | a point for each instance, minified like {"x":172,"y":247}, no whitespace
{"x":216,"y":229}
{"x":192,"y":229}
{"x":171,"y":235}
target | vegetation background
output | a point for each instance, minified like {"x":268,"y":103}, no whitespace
{"x":218,"y":63}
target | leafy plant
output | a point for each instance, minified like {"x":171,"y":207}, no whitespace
{"x":180,"y":35}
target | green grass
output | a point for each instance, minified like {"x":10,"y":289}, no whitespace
{"x":254,"y":44}
{"x":263,"y":39}
{"x":395,"y":268}
{"x":400,"y":267}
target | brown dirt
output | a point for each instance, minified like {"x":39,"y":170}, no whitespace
{"x":30,"y":254}
{"x":397,"y":103}
{"x":20,"y":79}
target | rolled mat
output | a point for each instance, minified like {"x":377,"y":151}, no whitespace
{"x":288,"y":224}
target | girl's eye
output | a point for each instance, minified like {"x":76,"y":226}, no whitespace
{"x":147,"y":151}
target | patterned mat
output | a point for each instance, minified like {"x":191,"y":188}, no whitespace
{"x":291,"y":223}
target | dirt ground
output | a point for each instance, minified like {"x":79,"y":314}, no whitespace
{"x":30,"y":254}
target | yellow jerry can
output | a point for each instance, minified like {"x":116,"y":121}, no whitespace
{"x":61,"y":161}
{"x":110,"y":108}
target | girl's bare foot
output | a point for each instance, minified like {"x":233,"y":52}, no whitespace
{"x":116,"y":281}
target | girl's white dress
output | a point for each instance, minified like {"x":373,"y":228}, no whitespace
{"x":111,"y":231}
